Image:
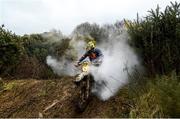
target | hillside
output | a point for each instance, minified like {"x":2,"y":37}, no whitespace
{"x":54,"y":98}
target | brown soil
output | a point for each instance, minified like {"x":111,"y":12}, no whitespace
{"x":55,"y":98}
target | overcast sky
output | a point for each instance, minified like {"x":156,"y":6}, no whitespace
{"x":36,"y":16}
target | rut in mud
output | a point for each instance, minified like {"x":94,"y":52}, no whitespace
{"x":55,"y":98}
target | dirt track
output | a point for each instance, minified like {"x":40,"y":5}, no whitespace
{"x":54,"y":98}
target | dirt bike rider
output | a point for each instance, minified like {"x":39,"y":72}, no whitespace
{"x":95,"y":55}
{"x":84,"y":80}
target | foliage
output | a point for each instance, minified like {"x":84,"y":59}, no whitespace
{"x":10,"y":86}
{"x":94,"y":30}
{"x":10,"y":51}
{"x":157,"y":39}
{"x":25,"y":56}
{"x":34,"y":46}
{"x":158,"y":98}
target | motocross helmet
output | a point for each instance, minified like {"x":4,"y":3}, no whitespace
{"x":90,"y":45}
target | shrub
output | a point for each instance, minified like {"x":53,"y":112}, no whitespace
{"x":160,"y":99}
{"x":157,"y":37}
{"x":10,"y":51}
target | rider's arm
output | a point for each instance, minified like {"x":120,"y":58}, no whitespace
{"x":83,"y":57}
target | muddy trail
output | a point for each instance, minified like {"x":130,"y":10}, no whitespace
{"x":55,"y":98}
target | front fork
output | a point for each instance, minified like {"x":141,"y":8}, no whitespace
{"x":85,"y":89}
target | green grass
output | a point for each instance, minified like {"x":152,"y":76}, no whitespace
{"x":9,"y":86}
{"x":160,"y":99}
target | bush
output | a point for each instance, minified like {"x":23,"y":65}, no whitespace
{"x":93,"y":30}
{"x":10,"y":51}
{"x":25,"y":56}
{"x":161,"y":98}
{"x":157,"y":39}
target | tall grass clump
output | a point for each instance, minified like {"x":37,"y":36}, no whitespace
{"x":156,"y":38}
{"x":161,"y":98}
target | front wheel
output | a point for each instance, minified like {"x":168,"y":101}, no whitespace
{"x":85,"y":92}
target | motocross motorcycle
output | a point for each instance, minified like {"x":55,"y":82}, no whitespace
{"x":84,"y":82}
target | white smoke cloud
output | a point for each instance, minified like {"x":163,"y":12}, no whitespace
{"x":112,"y":74}
{"x":118,"y":58}
{"x":62,"y":67}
